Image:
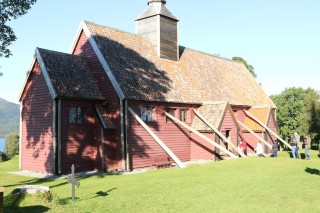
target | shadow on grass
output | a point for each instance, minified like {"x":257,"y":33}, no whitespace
{"x":33,"y":209}
{"x":66,"y":201}
{"x":290,"y":154}
{"x":12,"y":201}
{"x":34,"y":181}
{"x":300,"y":155}
{"x":102,"y":193}
{"x":312,"y":171}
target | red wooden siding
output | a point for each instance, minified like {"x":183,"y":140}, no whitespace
{"x":37,"y":122}
{"x":142,"y":147}
{"x":80,"y":143}
{"x":271,"y":125}
{"x":240,"y":115}
{"x":229,"y":124}
{"x":112,"y":150}
{"x":112,"y":145}
{"x":252,"y":141}
{"x":201,"y":149}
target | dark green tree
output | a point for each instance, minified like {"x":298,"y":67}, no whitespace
{"x":310,"y":115}
{"x":10,"y":9}
{"x":11,"y":146}
{"x":248,"y":66}
{"x":298,"y":111}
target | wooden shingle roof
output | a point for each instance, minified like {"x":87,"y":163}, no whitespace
{"x":104,"y":117}
{"x":68,"y":76}
{"x":213,"y":113}
{"x":262,"y":114}
{"x":196,"y":78}
{"x":153,"y":10}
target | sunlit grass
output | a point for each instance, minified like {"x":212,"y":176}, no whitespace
{"x":243,"y":185}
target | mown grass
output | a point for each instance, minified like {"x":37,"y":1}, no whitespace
{"x":244,"y":185}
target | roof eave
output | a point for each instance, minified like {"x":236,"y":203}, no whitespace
{"x":103,"y":62}
{"x":27,"y":78}
{"x":152,"y":11}
{"x":45,"y":74}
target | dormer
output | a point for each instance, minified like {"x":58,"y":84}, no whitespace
{"x":159,"y":25}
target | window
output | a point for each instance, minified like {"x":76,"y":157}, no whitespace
{"x":146,"y":113}
{"x":170,"y":111}
{"x":184,"y":115}
{"x":76,"y":115}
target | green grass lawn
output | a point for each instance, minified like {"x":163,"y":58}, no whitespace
{"x":243,"y":185}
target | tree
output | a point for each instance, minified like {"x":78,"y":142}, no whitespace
{"x":10,"y":9}
{"x":298,"y":111}
{"x":11,"y":146}
{"x":248,"y":66}
{"x":310,"y":115}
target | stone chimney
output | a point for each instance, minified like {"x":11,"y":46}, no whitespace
{"x":159,"y":25}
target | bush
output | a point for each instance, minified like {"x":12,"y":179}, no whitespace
{"x":3,"y":157}
{"x":11,"y":146}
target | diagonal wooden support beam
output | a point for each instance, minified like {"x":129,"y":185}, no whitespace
{"x":219,"y":133}
{"x":201,"y":135}
{"x":267,"y":128}
{"x":256,"y":135}
{"x":157,"y":139}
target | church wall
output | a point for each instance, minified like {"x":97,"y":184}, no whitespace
{"x":142,"y":147}
{"x":37,"y":125}
{"x":252,"y":141}
{"x":271,"y":125}
{"x":202,"y":149}
{"x":80,"y":142}
{"x":230,"y":125}
{"x":112,"y":145}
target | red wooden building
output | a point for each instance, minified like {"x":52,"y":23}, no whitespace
{"x":115,"y":102}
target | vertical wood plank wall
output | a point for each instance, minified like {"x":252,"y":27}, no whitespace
{"x":112,"y":146}
{"x":80,"y":143}
{"x":37,"y":125}
{"x":142,"y":146}
{"x":168,"y":39}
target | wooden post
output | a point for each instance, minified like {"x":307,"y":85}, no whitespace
{"x":267,"y":128}
{"x":254,"y":134}
{"x":1,"y":199}
{"x":219,"y":133}
{"x":74,"y":182}
{"x":201,"y":135}
{"x":155,"y":137}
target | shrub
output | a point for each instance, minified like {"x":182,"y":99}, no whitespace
{"x":11,"y":146}
{"x":2,"y":157}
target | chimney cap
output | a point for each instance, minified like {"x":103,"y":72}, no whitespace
{"x":162,"y":1}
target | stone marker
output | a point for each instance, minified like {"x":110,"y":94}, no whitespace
{"x":73,"y":181}
{"x":1,"y":199}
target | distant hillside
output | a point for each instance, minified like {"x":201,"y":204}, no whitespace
{"x":9,"y":117}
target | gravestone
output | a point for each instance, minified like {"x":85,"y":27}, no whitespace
{"x":74,"y":182}
{"x":1,"y":199}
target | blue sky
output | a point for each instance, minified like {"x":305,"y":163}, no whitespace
{"x":280,"y":38}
